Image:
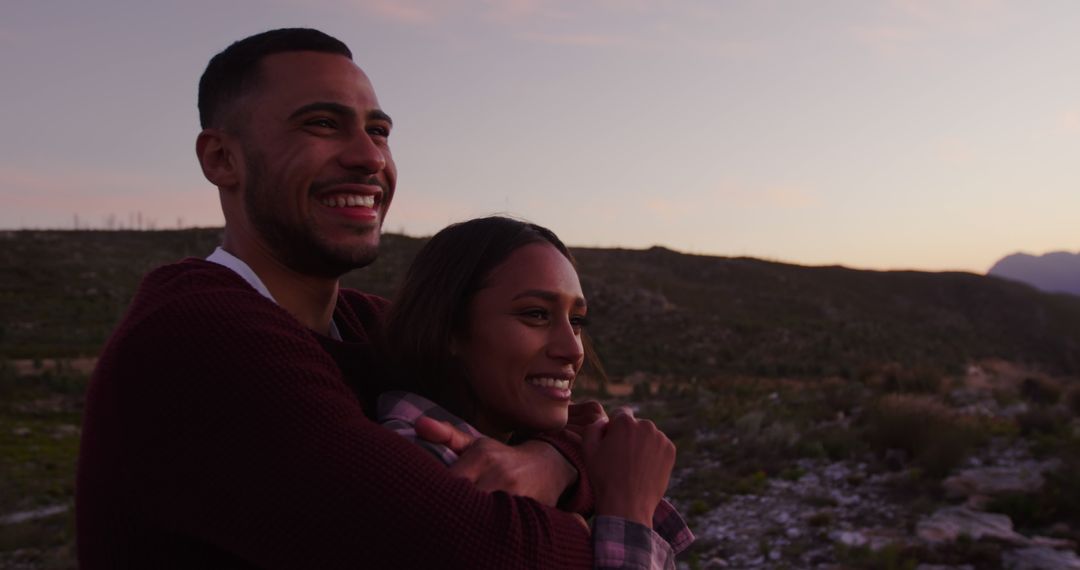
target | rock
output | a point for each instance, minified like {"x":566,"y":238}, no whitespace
{"x":895,"y":459}
{"x":1059,"y":543}
{"x":849,"y":538}
{"x":21,"y":431}
{"x":715,"y":562}
{"x":1040,"y":558}
{"x":24,"y":516}
{"x":943,"y":567}
{"x":948,"y":524}
{"x":995,"y":480}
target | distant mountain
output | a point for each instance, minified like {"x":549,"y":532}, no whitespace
{"x":1056,"y":272}
{"x":656,"y":311}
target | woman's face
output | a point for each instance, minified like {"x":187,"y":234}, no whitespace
{"x":522,"y":348}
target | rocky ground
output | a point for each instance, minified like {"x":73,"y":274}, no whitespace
{"x":839,"y":510}
{"x":876,"y":506}
{"x":887,"y":472}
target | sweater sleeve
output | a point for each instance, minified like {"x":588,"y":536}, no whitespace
{"x":578,"y":498}
{"x":241,"y":433}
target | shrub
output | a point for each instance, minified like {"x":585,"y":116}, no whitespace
{"x":1040,"y":391}
{"x":1043,"y":420}
{"x":933,"y":435}
{"x":1072,"y":400}
{"x":752,"y":484}
{"x":889,"y":557}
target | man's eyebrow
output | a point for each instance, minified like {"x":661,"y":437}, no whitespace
{"x":339,"y":109}
{"x":380,"y":115}
{"x":549,"y":296}
{"x":336,"y":108}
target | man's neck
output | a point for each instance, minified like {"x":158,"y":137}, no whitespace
{"x":311,"y":300}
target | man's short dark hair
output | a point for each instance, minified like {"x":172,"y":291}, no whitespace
{"x":233,"y":71}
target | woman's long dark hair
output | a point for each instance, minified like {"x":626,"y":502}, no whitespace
{"x":431,"y":307}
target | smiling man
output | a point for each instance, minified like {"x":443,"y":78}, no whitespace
{"x":227,"y":421}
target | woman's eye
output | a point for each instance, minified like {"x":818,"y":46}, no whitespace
{"x":534,"y":314}
{"x":579,"y":322}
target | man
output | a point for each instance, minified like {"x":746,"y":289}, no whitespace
{"x":225,"y":423}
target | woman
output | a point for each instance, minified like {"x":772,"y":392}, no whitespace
{"x":488,"y":333}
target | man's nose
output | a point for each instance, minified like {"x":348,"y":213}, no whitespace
{"x":364,"y":154}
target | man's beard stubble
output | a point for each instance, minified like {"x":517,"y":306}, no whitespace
{"x":297,"y":246}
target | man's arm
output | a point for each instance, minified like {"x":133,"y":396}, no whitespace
{"x":250,"y":441}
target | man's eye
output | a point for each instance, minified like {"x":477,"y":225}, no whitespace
{"x":380,"y":132}
{"x":322,"y":122}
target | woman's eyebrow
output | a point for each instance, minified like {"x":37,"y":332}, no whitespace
{"x":549,"y":296}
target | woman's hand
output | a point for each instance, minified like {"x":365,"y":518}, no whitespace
{"x":532,"y":469}
{"x":584,"y":414}
{"x":629,"y":462}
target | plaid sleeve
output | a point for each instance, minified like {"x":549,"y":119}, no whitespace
{"x":622,"y":544}
{"x":399,"y":411}
{"x":617,"y":542}
{"x":669,"y":524}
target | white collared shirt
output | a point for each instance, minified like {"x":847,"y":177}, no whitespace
{"x":226,"y":259}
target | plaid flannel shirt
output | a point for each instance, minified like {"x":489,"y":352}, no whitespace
{"x":617,"y":542}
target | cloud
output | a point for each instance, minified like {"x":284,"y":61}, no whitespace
{"x":954,"y":150}
{"x":414,"y":12}
{"x":903,"y":26}
{"x":578,"y":40}
{"x":1070,"y":121}
{"x":520,"y":11}
{"x":969,"y":14}
{"x":730,"y":196}
{"x":790,"y":197}
{"x":890,"y":40}
{"x":49,"y":198}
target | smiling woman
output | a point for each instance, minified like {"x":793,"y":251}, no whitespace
{"x":489,"y":325}
{"x":488,"y":333}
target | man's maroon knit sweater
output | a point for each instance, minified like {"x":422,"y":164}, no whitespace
{"x":220,"y":432}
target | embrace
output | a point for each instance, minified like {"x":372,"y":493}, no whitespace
{"x":249,"y":413}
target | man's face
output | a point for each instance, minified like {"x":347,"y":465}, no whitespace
{"x":319,"y":176}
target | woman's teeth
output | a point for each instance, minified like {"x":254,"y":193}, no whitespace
{"x":550,"y":383}
{"x":350,"y":200}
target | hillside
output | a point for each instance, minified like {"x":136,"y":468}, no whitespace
{"x":824,"y":417}
{"x":655,"y":311}
{"x":1055,"y":272}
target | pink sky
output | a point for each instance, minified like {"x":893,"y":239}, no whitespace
{"x":891,"y":134}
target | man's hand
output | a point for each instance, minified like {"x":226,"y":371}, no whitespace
{"x":533,"y":469}
{"x":629,"y":463}
{"x":585,"y":414}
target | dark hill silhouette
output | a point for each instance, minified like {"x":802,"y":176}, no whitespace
{"x":1055,"y":272}
{"x":656,"y":310}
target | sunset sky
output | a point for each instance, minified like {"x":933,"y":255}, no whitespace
{"x":906,"y":134}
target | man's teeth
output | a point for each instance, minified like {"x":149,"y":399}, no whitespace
{"x":550,"y":383}
{"x":350,"y":200}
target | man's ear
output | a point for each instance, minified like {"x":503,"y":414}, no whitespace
{"x":220,"y":165}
